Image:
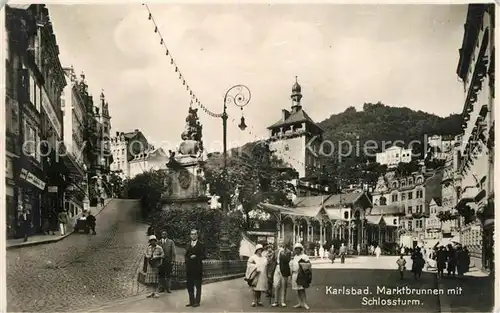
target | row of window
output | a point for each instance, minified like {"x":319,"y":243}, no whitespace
{"x":418,"y":209}
{"x":419,"y":193}
{"x":31,"y":145}
{"x":419,"y":224}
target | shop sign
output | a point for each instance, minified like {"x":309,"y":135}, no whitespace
{"x":52,"y":189}
{"x":32,"y":179}
{"x":51,"y":113}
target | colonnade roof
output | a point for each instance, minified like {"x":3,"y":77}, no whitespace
{"x":329,"y":200}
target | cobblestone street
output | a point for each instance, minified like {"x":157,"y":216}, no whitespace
{"x":80,"y":271}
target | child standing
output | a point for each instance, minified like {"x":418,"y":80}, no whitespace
{"x":401,"y":266}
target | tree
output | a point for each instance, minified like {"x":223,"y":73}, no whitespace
{"x":406,"y":169}
{"x":251,"y":177}
{"x":116,"y":183}
{"x":149,"y":187}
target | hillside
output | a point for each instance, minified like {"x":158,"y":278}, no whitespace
{"x":382,"y":125}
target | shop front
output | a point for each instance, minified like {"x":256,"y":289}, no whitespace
{"x":30,"y":197}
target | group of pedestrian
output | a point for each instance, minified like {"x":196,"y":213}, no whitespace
{"x":455,"y":260}
{"x":160,"y":257}
{"x":375,"y":250}
{"x":52,"y":222}
{"x":341,"y":252}
{"x":272,"y":270}
{"x":417,"y":266}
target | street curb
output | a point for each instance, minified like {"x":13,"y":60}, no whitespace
{"x":52,"y":240}
{"x":142,"y":296}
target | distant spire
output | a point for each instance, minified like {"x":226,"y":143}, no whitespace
{"x":296,"y":95}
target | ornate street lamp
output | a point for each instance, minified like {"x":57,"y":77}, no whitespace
{"x":240,"y":96}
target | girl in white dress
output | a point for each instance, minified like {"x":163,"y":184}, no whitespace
{"x":294,"y":266}
{"x":260,"y":262}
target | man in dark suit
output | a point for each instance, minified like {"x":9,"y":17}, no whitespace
{"x":195,"y":253}
{"x":168,"y":247}
{"x":279,"y":268}
{"x":25,"y":223}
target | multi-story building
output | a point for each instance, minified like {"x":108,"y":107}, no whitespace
{"x":153,"y":159}
{"x":296,"y":139}
{"x":289,"y":137}
{"x":124,"y":147}
{"x":393,"y":156}
{"x":411,"y":196}
{"x":15,"y":45}
{"x":476,"y":69}
{"x":73,"y":106}
{"x":449,"y":185}
{"x":438,"y":147}
{"x":36,"y":80}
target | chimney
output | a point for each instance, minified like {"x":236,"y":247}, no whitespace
{"x":136,"y":130}
{"x":285,"y":114}
{"x":117,"y":134}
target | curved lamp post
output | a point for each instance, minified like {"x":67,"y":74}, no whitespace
{"x":238,"y":95}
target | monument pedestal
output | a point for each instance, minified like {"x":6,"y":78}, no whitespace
{"x":185,"y":184}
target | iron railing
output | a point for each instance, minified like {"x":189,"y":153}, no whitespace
{"x":212,"y":269}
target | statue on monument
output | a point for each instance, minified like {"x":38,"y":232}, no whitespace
{"x":192,"y":136}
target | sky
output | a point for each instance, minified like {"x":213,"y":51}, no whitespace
{"x":343,"y":55}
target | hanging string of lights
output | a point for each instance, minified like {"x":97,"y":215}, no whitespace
{"x":192,"y":95}
{"x":195,"y":100}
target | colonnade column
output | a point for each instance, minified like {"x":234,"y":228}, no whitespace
{"x":321,"y":232}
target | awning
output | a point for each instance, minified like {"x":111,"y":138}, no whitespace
{"x":489,"y":222}
{"x":443,"y":242}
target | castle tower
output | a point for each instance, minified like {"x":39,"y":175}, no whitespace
{"x":296,"y":138}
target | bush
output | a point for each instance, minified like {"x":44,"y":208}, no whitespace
{"x":179,"y":222}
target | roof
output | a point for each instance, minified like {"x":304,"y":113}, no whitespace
{"x":19,"y":6}
{"x":310,"y":201}
{"x":386,"y":210}
{"x":374,"y":220}
{"x":149,"y":154}
{"x":343,"y":198}
{"x":437,"y":200}
{"x":130,"y":135}
{"x":297,"y":117}
{"x":329,"y":200}
{"x":300,"y":211}
{"x":334,"y":214}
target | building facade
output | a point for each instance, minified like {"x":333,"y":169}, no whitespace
{"x":476,"y":69}
{"x":296,"y":139}
{"x":410,"y":198}
{"x":35,"y":81}
{"x":393,"y":156}
{"x":154,"y":159}
{"x":73,"y":106}
{"x":438,"y":147}
{"x":124,"y":148}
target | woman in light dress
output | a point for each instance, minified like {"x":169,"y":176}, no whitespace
{"x":260,"y":285}
{"x":154,"y":255}
{"x":378,"y":251}
{"x":295,"y":267}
